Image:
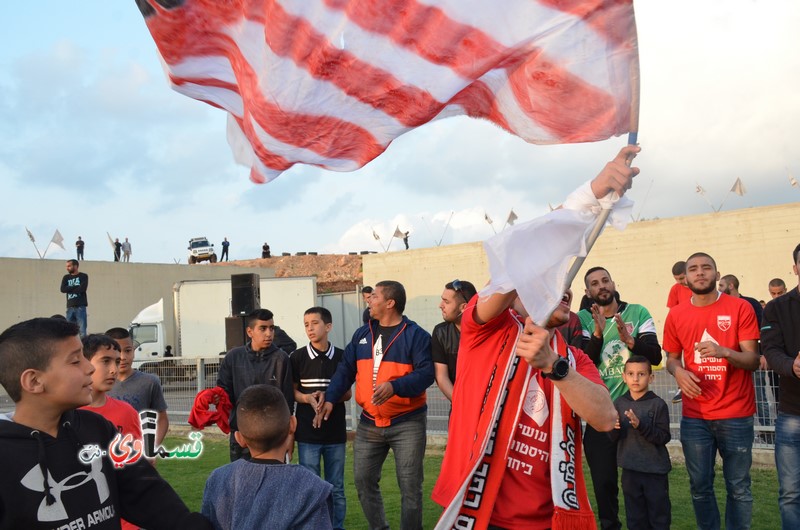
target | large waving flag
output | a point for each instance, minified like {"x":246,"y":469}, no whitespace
{"x":333,"y":82}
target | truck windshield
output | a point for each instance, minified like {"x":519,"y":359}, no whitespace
{"x":143,"y":334}
{"x":200,"y":243}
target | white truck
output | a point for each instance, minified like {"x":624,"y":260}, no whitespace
{"x":201,"y":250}
{"x":195,"y":332}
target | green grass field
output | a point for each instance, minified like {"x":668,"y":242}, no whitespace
{"x":189,"y":477}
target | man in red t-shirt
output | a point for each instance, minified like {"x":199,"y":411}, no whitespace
{"x":503,"y":467}
{"x":711,"y":346}
{"x":679,"y":292}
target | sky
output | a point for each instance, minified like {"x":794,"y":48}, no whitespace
{"x":93,"y":141}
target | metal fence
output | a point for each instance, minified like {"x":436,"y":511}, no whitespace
{"x":182,"y":379}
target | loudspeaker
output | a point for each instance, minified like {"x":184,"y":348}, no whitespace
{"x":235,"y":334}
{"x":245,"y":293}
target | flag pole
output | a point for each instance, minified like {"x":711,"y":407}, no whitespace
{"x":633,"y":137}
{"x":723,"y":201}
{"x":396,"y":228}
{"x":378,"y":239}
{"x":33,"y":242}
{"x":446,"y":226}
{"x":703,"y":194}
{"x":428,"y":228}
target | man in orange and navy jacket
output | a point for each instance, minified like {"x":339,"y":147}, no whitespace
{"x":389,"y":359}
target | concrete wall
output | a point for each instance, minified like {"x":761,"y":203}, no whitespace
{"x":117,"y":291}
{"x":754,"y":244}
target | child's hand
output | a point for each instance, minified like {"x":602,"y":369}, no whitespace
{"x":617,"y":425}
{"x":314,"y":400}
{"x":632,"y":418}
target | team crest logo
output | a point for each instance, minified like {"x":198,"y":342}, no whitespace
{"x":724,"y":322}
{"x":629,"y":327}
{"x":535,"y":404}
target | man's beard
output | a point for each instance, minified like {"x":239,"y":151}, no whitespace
{"x":712,"y":286}
{"x":602,"y":303}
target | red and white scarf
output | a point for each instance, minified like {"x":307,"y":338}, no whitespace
{"x":471,"y":508}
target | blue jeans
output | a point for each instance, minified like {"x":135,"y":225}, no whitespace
{"x":407,"y":441}
{"x":333,"y":454}
{"x":734,"y":439}
{"x":78,"y":316}
{"x":787,"y":460}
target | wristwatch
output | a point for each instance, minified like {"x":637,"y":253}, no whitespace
{"x":559,"y":370}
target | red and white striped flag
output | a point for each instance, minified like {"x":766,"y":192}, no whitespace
{"x":333,"y":82}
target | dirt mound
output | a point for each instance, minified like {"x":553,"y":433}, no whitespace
{"x":335,"y":273}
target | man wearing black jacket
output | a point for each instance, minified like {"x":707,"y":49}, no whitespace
{"x":780,"y":343}
{"x":74,"y":285}
{"x":259,"y":362}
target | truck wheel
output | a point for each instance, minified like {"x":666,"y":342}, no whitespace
{"x":213,"y":258}
{"x":192,"y":260}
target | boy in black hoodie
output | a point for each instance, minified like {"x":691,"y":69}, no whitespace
{"x":643,"y":432}
{"x":56,"y":472}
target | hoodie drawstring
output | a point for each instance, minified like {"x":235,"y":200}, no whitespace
{"x":49,"y":498}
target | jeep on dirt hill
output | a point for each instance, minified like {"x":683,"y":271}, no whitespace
{"x":201,"y":250}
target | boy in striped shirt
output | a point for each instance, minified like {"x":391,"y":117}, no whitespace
{"x":312,"y":369}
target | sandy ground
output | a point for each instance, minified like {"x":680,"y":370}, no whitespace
{"x":334,"y":272}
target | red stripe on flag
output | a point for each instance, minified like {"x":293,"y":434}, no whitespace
{"x":613,"y":19}
{"x":191,"y":30}
{"x":479,"y":101}
{"x":267,"y":157}
{"x":561,"y":102}
{"x":428,"y":32}
{"x":471,"y":52}
{"x":327,"y":136}
{"x":295,"y":38}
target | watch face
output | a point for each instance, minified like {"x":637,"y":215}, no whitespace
{"x":560,"y":368}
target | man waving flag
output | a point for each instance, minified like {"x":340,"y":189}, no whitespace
{"x":333,"y":82}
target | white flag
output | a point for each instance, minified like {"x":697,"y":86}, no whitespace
{"x":793,"y":182}
{"x":33,"y":240}
{"x":398,"y":233}
{"x":700,"y":190}
{"x":58,"y":240}
{"x":738,"y":188}
{"x":511,"y":217}
{"x":488,"y":219}
{"x":515,"y":263}
{"x":375,"y":235}
{"x":111,"y":241}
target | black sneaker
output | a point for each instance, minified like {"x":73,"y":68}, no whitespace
{"x":678,"y":397}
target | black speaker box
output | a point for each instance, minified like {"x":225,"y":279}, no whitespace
{"x":245,"y":293}
{"x":235,"y":334}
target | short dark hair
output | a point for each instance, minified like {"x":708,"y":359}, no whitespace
{"x":30,"y":345}
{"x":366,"y":289}
{"x":731,"y":279}
{"x":777,"y":282}
{"x":393,"y":290}
{"x":590,"y":271}
{"x":702,"y":255}
{"x":262,"y":416}
{"x":795,"y":253}
{"x":323,"y":312}
{"x":95,"y":341}
{"x":74,"y":262}
{"x":679,"y":268}
{"x":118,"y":333}
{"x":259,"y":314}
{"x":466,"y":289}
{"x":640,"y":359}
